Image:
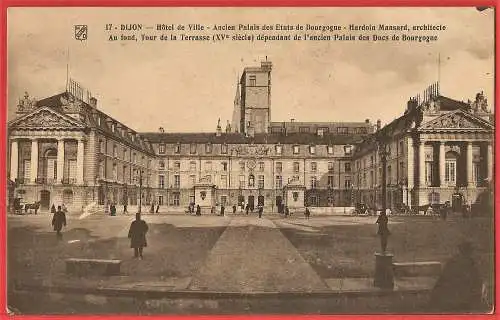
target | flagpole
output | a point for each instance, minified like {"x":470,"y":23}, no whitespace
{"x":67,"y":69}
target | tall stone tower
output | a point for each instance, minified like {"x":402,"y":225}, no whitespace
{"x":254,"y":103}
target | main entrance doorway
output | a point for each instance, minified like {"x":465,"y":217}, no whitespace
{"x":44,"y":200}
{"x":251,"y":202}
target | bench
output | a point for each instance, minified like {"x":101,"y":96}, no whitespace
{"x":82,"y":267}
{"x":412,"y":269}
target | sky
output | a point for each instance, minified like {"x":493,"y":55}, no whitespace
{"x":187,"y":87}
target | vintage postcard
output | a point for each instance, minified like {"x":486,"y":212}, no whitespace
{"x":250,"y":160}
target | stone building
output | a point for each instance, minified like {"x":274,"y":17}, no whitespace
{"x":439,"y":150}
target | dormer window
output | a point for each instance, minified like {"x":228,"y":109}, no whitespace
{"x":279,"y":149}
{"x":98,"y":121}
{"x":192,"y":148}
{"x":161,"y":148}
{"x":177,"y":148}
{"x":312,"y":149}
{"x":348,"y":150}
{"x":224,"y":148}
{"x":296,"y":149}
{"x":330,"y":149}
{"x":113,"y":127}
{"x":208,"y":148}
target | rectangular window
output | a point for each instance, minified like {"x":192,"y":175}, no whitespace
{"x":208,"y":166}
{"x":330,"y":167}
{"x":115,"y":151}
{"x":161,"y":181}
{"x":314,"y":167}
{"x":208,"y":148}
{"x":192,"y":180}
{"x":242,"y":181}
{"x":223,"y":181}
{"x":209,"y":178}
{"x":314,"y":182}
{"x":389,"y":175}
{"x":115,"y":172}
{"x":330,"y":182}
{"x":401,"y":148}
{"x":279,"y":149}
{"x":27,"y":170}
{"x":279,"y":167}
{"x":72,"y":171}
{"x":192,"y":148}
{"x":224,"y":166}
{"x":242,"y":166}
{"x":261,"y":182}
{"x":177,"y":199}
{"x":224,"y":148}
{"x":330,"y":149}
{"x":101,"y":169}
{"x":347,"y":150}
{"x":476,"y":173}
{"x":304,"y":129}
{"x":296,"y":167}
{"x":252,"y":80}
{"x":347,"y":183}
{"x":124,"y":174}
{"x":192,"y":166}
{"x":342,"y":130}
{"x":279,"y":182}
{"x":177,"y":181}
{"x":312,"y":149}
{"x":296,"y":149}
{"x":347,"y":167}
{"x":450,"y":171}
{"x":161,"y":165}
{"x":160,"y":200}
{"x":313,"y":201}
{"x":261,"y":166}
{"x":177,"y":148}
{"x":177,"y":166}
{"x":161,"y":148}
{"x":429,"y":173}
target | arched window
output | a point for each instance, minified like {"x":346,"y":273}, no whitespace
{"x":50,"y":164}
{"x":451,"y":168}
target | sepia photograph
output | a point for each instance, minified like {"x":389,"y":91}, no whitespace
{"x":250,"y":161}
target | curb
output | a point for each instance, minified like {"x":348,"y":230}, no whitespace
{"x":157,"y":293}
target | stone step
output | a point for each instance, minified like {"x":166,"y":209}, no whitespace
{"x":416,"y":269}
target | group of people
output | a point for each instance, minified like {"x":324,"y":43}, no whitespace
{"x":112,"y":208}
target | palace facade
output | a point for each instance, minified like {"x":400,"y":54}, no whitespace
{"x":64,"y":149}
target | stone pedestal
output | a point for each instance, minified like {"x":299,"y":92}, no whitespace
{"x":384,"y":277}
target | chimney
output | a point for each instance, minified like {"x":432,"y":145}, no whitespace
{"x":93,"y":102}
{"x":379,"y":124}
{"x":367,"y":121}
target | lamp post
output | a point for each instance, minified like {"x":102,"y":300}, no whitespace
{"x":140,"y":191}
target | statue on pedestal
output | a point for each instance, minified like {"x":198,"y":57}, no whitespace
{"x":383,"y":230}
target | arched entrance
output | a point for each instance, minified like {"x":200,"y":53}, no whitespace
{"x":44,"y":199}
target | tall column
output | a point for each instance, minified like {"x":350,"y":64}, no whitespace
{"x":442,"y":166}
{"x":470,"y":177}
{"x":14,"y":160}
{"x":421,"y":163}
{"x":79,"y":162}
{"x":60,"y":161}
{"x":410,"y":167}
{"x":489,"y":162}
{"x":34,"y":161}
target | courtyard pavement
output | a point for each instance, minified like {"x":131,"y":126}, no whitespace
{"x":237,"y":254}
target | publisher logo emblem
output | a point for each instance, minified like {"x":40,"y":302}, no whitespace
{"x":81,"y":32}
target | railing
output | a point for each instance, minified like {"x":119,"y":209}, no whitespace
{"x":22,"y":180}
{"x":45,"y":180}
{"x":68,"y":181}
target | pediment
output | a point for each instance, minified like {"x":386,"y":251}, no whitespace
{"x":456,"y":120}
{"x":45,"y":118}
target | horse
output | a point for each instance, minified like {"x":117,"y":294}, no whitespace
{"x":32,"y":206}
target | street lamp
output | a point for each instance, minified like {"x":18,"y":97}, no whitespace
{"x":383,"y":158}
{"x":140,"y":191}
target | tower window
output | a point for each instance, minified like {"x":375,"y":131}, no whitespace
{"x":252,"y":80}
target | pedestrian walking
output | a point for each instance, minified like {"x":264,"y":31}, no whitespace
{"x":234,"y":209}
{"x":307,"y":213}
{"x":247,"y":207}
{"x":198,"y":210}
{"x":157,"y":208}
{"x":137,"y":235}
{"x":383,"y":230}
{"x":152,"y":208}
{"x":58,"y":221}
{"x":125,"y":208}
{"x":222,"y":209}
{"x":112,"y":210}
{"x":444,"y":210}
{"x":261,"y":209}
{"x":287,"y":212}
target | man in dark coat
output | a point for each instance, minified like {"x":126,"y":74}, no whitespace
{"x":234,"y":209}
{"x":287,"y":212}
{"x":58,"y":220}
{"x":261,"y":209}
{"x":222,"y":208}
{"x":247,"y":208}
{"x":383,"y":230}
{"x":112,"y":210}
{"x":198,"y":210}
{"x":459,"y":288}
{"x":307,"y":213}
{"x":137,"y":235}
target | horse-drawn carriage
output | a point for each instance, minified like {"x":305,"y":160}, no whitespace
{"x":22,"y":208}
